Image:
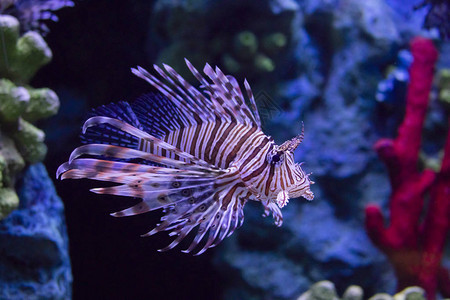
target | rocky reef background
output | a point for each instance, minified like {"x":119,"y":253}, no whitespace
{"x":320,"y":62}
{"x":34,"y":258}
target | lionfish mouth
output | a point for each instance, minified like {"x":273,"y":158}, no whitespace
{"x":308,"y":195}
{"x":282,"y":199}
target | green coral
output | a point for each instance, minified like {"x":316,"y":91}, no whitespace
{"x":264,"y":63}
{"x":322,"y":290}
{"x":242,"y":53}
{"x":11,"y":163}
{"x":253,"y":52}
{"x":353,"y":292}
{"x":13,"y":100}
{"x":22,"y":56}
{"x":8,"y":201}
{"x":410,"y":293}
{"x":43,"y":103}
{"x":21,"y":142}
{"x":325,"y":290}
{"x":245,"y":44}
{"x":254,"y":45}
{"x":30,"y":142}
{"x":444,"y":85}
{"x":274,"y":42}
{"x":431,"y":162}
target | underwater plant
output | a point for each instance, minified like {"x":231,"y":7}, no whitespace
{"x":415,"y":246}
{"x":21,"y":142}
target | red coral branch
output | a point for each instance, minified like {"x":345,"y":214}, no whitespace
{"x":414,"y":248}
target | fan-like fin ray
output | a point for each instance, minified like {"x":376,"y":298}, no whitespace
{"x":224,"y":89}
{"x":252,"y":102}
{"x":145,"y":136}
{"x":126,"y":153}
{"x":194,"y":94}
{"x":185,"y":109}
{"x":182,"y":96}
{"x":204,"y":226}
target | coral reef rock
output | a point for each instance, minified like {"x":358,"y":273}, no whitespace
{"x":342,"y":53}
{"x":38,"y":224}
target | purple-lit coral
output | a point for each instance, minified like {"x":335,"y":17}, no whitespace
{"x":32,"y":14}
{"x":415,"y":241}
{"x":438,"y":16}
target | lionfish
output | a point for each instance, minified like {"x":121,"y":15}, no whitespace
{"x":199,"y":156}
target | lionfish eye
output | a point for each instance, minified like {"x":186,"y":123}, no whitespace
{"x":277,"y":157}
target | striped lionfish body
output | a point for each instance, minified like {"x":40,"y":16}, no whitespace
{"x":199,"y":156}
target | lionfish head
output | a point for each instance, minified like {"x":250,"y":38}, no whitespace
{"x":297,"y":181}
